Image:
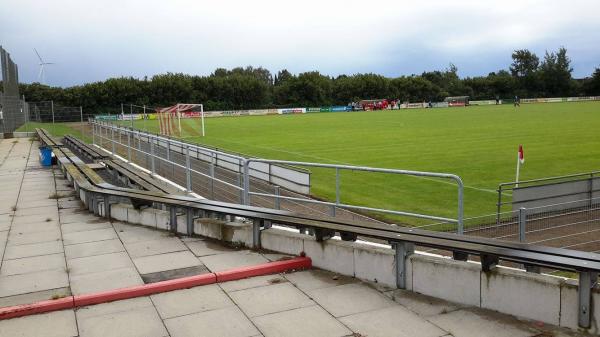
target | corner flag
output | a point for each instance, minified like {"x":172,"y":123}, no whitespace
{"x":520,"y":161}
{"x":521,"y":155}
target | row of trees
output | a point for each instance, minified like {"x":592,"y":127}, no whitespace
{"x":246,"y":88}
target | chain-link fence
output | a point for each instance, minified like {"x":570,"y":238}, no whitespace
{"x":12,"y":107}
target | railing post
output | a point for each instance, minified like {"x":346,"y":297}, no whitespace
{"x":188,"y":173}
{"x":461,"y":210}
{"x":587,"y":281}
{"x":522,"y":223}
{"x":337,"y":191}
{"x":212,"y":180}
{"x":403,"y":251}
{"x":112,"y":139}
{"x":246,"y":182}
{"x":152,"y":155}
{"x":93,"y":133}
{"x":129,"y":146}
{"x":277,"y":199}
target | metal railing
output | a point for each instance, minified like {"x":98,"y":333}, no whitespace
{"x":338,"y":203}
{"x":160,"y":149}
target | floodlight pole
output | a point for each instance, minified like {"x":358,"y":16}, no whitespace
{"x":202,"y":116}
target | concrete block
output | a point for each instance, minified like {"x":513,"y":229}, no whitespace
{"x":148,"y":217}
{"x":237,"y":232}
{"x":333,"y":255}
{"x":375,"y":264}
{"x":119,"y":211}
{"x":168,"y":261}
{"x":518,"y":293}
{"x":162,"y":220}
{"x":283,"y":241}
{"x":455,"y":281}
{"x":210,"y":228}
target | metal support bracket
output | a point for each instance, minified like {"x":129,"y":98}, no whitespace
{"x":323,"y":234}
{"x":256,"y":225}
{"x":403,"y":251}
{"x":488,"y":262}
{"x":587,"y":281}
{"x":347,"y":236}
{"x":460,"y":256}
{"x":189,"y":217}
{"x":173,"y":219}
{"x":532,"y":269}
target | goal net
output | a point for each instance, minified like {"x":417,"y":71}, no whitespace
{"x":169,"y":118}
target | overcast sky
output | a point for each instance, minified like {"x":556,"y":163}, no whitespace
{"x":94,"y":40}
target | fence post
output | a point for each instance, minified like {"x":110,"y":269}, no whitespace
{"x":403,"y":251}
{"x":461,"y":210}
{"x":152,"y":155}
{"x":129,"y":146}
{"x":81,"y":115}
{"x":112,"y":139}
{"x":93,"y":133}
{"x":277,"y":199}
{"x":246,"y":182}
{"x":52,"y":109}
{"x":188,"y":173}
{"x":212,"y":180}
{"x":522,"y":223}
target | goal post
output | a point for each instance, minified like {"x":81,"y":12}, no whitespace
{"x":169,"y":118}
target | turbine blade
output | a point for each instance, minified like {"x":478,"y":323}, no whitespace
{"x":38,"y":55}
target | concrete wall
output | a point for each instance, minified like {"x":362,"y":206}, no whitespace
{"x":537,"y":297}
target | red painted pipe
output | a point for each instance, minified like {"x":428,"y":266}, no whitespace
{"x":71,"y":302}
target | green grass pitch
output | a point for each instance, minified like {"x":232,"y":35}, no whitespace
{"x":477,"y":143}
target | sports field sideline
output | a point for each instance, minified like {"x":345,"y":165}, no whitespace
{"x":478,"y":143}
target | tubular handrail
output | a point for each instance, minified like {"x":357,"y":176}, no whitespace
{"x":337,"y":167}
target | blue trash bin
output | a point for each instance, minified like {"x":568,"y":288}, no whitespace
{"x":46,"y":155}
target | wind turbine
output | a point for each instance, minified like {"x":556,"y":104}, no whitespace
{"x":42,"y":73}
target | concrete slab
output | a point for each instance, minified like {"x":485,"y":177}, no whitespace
{"x":37,"y":296}
{"x":17,"y":238}
{"x":33,"y":264}
{"x":69,"y":215}
{"x":53,"y":324}
{"x":350,"y":299}
{"x":155,"y":247}
{"x":105,"y":280}
{"x":189,"y":301}
{"x":174,"y":273}
{"x":232,"y":260}
{"x":35,"y":249}
{"x":422,"y":304}
{"x":206,"y":247}
{"x":132,"y":318}
{"x":32,"y":282}
{"x":466,"y":323}
{"x":93,"y":248}
{"x":89,"y":225}
{"x":99,"y":263}
{"x":168,"y":261}
{"x":226,"y":322}
{"x":307,"y":321}
{"x":266,"y":300}
{"x":392,"y":321}
{"x":317,"y":279}
{"x":89,"y":236}
{"x":36,"y":227}
{"x":252,"y":282}
{"x":130,"y":234}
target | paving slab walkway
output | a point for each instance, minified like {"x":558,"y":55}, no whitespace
{"x":51,"y":247}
